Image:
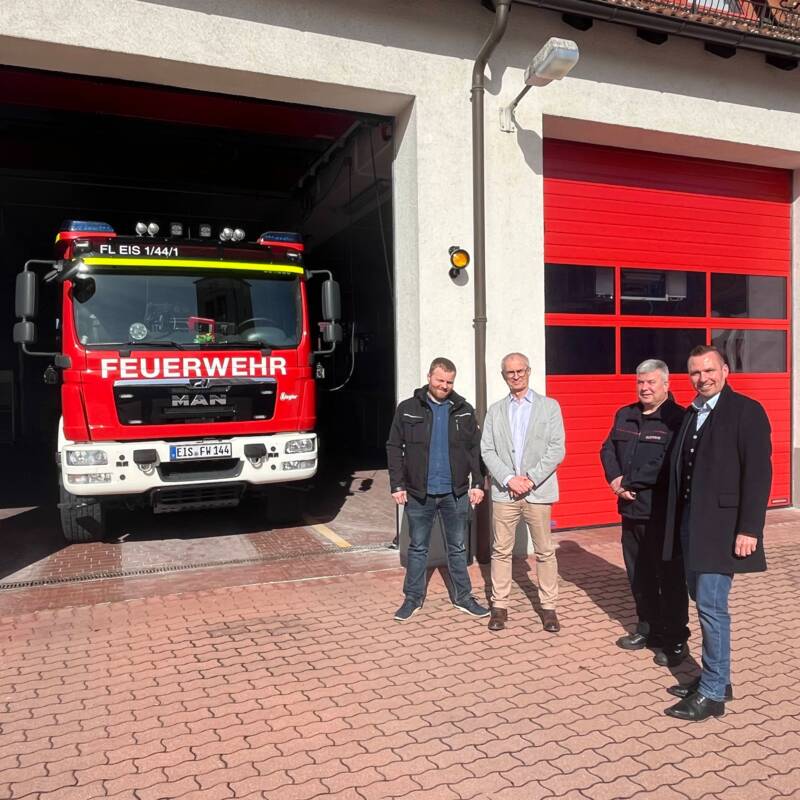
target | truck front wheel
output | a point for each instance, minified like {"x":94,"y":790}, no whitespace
{"x":83,"y":519}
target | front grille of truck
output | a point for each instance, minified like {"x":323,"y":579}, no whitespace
{"x":186,"y":498}
{"x":173,"y":402}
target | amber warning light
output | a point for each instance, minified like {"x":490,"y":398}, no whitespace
{"x":459,"y":259}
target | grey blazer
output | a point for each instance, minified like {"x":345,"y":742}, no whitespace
{"x":544,"y":449}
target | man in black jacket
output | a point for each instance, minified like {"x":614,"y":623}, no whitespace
{"x":720,"y":480}
{"x":435,"y":467}
{"x":635,"y":457}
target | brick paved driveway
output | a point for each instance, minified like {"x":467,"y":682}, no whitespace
{"x":289,"y":689}
{"x":348,"y":503}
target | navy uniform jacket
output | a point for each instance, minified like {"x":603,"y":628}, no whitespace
{"x":730,"y":486}
{"x":638,"y":447}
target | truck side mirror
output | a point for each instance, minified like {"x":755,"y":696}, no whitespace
{"x":25,"y":332}
{"x":26,"y":296}
{"x":26,"y":307}
{"x":331,"y":302}
{"x":331,"y":332}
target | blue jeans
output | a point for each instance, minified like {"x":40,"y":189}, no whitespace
{"x":454,"y":516}
{"x":710,"y":591}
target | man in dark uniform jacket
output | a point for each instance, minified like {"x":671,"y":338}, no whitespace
{"x":635,"y":457}
{"x":720,"y":478}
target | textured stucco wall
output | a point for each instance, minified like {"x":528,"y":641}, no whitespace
{"x":413,"y":59}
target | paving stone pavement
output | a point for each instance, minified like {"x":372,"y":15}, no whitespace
{"x":295,"y":689}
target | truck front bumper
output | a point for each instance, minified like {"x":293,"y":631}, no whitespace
{"x":130,"y":468}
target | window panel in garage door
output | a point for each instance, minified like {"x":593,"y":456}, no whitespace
{"x":674,"y":252}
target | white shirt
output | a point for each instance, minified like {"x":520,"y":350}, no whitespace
{"x":704,"y":408}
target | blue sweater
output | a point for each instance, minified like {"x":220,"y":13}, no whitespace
{"x":440,"y":478}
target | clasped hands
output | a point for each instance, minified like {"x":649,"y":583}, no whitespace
{"x":616,"y":487}
{"x":519,"y":486}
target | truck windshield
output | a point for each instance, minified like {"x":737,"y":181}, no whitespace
{"x":188,"y":310}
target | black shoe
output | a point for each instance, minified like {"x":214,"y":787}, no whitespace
{"x":695,"y":708}
{"x":472,"y":607}
{"x":407,"y":610}
{"x":671,"y":655}
{"x":633,"y":641}
{"x":685,"y":689}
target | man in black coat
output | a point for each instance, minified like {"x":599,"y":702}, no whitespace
{"x":434,"y":460}
{"x":635,"y":458}
{"x":720,"y":479}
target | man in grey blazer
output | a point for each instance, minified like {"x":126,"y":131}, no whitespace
{"x":522,"y":444}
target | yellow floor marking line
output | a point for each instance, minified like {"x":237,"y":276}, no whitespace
{"x":324,"y":530}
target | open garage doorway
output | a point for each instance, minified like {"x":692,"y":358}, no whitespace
{"x":73,"y":147}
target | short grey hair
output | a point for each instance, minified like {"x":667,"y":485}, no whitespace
{"x":651,"y":365}
{"x":507,"y":356}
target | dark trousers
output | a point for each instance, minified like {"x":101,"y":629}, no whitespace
{"x":658,"y":586}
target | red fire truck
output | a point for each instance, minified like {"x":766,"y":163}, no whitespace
{"x":186,"y":364}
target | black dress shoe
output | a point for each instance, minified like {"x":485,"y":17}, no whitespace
{"x":633,"y":641}
{"x":695,"y":708}
{"x":685,"y":689}
{"x":671,"y":655}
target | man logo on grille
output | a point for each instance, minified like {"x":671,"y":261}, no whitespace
{"x":188,"y":400}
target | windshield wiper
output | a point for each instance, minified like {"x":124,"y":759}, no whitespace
{"x":245,"y":344}
{"x":165,"y":345}
{"x":127,"y":347}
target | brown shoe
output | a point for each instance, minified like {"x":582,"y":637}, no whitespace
{"x":498,"y":619}
{"x":550,"y":620}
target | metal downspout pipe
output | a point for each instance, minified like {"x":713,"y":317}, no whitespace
{"x":502,"y":9}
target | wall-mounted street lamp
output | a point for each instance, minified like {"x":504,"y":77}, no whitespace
{"x":551,"y":63}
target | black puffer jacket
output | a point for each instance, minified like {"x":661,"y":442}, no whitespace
{"x":409,"y":444}
{"x":638,"y":448}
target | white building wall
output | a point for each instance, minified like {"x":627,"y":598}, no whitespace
{"x":413,"y":59}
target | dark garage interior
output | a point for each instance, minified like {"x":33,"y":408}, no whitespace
{"x":73,"y":147}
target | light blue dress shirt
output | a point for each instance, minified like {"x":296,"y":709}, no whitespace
{"x":704,"y":408}
{"x":519,"y":415}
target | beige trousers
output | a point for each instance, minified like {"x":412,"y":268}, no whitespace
{"x":505,"y":519}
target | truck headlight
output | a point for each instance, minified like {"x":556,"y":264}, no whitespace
{"x":90,"y":477}
{"x":299,"y":446}
{"x":303,"y":464}
{"x":86,"y":458}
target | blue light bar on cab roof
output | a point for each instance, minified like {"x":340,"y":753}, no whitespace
{"x":286,"y":237}
{"x":86,"y":226}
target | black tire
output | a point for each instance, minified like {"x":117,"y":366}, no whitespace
{"x":82,"y":519}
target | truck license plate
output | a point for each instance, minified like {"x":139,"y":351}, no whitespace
{"x":188,"y":452}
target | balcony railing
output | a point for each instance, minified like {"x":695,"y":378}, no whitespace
{"x":779,"y":19}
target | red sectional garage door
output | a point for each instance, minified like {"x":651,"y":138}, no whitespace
{"x":646,"y":256}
